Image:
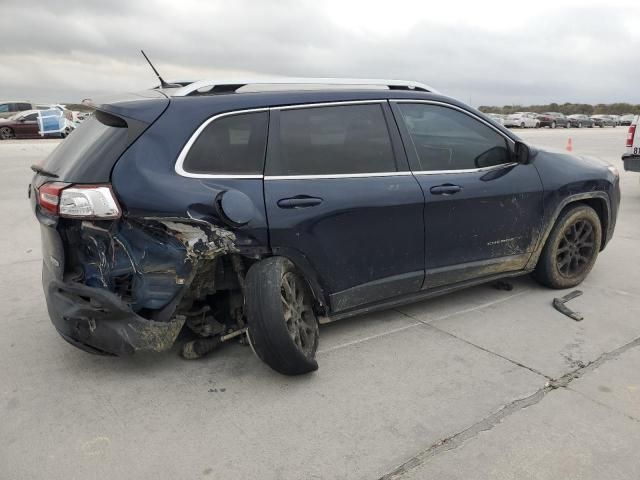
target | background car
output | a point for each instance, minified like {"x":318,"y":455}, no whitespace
{"x":25,"y":125}
{"x":617,"y":119}
{"x":522,"y":120}
{"x":553,"y":120}
{"x":631,"y":157}
{"x":9,"y":108}
{"x":579,"y":120}
{"x":497,"y":117}
{"x":603,"y":121}
{"x":20,"y":125}
{"x":627,"y":119}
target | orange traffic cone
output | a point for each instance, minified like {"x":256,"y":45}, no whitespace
{"x":570,"y":145}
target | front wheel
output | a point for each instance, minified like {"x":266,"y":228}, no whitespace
{"x":571,"y":248}
{"x":6,"y":133}
{"x":283,"y":328}
{"x":522,"y":125}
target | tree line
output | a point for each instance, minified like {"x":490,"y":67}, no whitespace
{"x":567,"y":108}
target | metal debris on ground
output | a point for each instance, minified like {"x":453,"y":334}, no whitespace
{"x":559,"y":304}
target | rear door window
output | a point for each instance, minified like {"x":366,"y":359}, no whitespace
{"x":233,"y":145}
{"x":344,"y":139}
{"x":4,"y":108}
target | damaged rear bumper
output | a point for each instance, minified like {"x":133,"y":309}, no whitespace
{"x":98,"y":321}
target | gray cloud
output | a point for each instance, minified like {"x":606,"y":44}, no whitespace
{"x":65,"y":50}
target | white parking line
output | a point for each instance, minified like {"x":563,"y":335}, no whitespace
{"x":420,"y":322}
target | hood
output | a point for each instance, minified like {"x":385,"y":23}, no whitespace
{"x":564,"y":156}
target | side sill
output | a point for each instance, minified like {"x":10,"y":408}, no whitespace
{"x":418,"y":296}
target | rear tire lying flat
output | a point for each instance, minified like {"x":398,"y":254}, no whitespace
{"x":283,"y":328}
{"x":571,"y":249}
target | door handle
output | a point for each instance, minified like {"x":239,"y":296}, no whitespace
{"x":299,"y":201}
{"x":446,"y":189}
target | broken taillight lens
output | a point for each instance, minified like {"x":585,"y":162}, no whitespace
{"x":79,"y":201}
{"x":630,"y":135}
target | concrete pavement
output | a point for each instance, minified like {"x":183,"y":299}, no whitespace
{"x":481,"y":383}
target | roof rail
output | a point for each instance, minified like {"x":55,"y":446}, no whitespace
{"x":207,"y":87}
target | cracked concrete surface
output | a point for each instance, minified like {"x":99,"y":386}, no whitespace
{"x":480,"y":384}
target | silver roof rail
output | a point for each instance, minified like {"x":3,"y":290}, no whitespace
{"x":232,"y":85}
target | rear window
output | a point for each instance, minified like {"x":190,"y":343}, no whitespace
{"x":349,"y":139}
{"x":233,"y":145}
{"x":92,"y":149}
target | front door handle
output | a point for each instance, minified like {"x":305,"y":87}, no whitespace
{"x":446,"y":189}
{"x":299,"y":201}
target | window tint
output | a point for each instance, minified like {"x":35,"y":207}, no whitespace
{"x":333,"y":140}
{"x":4,"y":107}
{"x":230,"y":145}
{"x":21,"y":107}
{"x":31,"y":116}
{"x":446,"y":139}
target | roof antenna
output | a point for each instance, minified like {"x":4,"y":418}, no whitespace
{"x":163,"y":84}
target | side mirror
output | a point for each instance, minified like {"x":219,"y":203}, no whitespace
{"x":521,"y":153}
{"x":21,"y":120}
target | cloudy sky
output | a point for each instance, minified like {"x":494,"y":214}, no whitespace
{"x":481,"y":52}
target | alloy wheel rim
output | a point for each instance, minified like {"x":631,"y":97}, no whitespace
{"x":576,"y":248}
{"x":298,"y":314}
{"x":5,"y":133}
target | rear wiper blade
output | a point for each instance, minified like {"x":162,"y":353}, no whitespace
{"x":42,"y":171}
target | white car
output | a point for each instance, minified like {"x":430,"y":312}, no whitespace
{"x":497,"y":117}
{"x":522,"y":120}
{"x":631,"y":157}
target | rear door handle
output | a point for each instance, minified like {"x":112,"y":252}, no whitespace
{"x":446,"y":189}
{"x":299,"y":201}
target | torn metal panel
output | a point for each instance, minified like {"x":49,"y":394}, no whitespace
{"x":129,"y":285}
{"x":559,"y":304}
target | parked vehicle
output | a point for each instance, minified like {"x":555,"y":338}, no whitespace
{"x":10,"y":108}
{"x":25,"y":125}
{"x":579,"y":121}
{"x":553,"y":120}
{"x":522,"y":120}
{"x":603,"y":121}
{"x":265,"y":214}
{"x":67,"y":113}
{"x":627,"y":119}
{"x":631,"y":157}
{"x":497,"y":117}
{"x":616,"y":118}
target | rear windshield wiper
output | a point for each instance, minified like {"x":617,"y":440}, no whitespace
{"x":42,"y":171}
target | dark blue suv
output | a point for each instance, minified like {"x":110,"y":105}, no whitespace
{"x":258,"y":210}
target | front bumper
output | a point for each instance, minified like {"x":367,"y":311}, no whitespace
{"x":631,"y":163}
{"x":98,"y":321}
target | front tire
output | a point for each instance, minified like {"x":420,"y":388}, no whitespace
{"x":571,"y":248}
{"x":283,"y":328}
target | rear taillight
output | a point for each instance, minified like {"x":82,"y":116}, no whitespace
{"x":49,"y":196}
{"x":79,"y":201}
{"x":630,"y":135}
